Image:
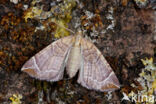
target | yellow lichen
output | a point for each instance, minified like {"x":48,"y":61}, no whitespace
{"x":149,"y":64}
{"x":60,"y":31}
{"x":59,"y":14}
{"x":148,"y":81}
{"x":15,"y":99}
{"x":34,"y":2}
{"x":154,"y":85}
{"x":32,"y":12}
{"x":64,"y":18}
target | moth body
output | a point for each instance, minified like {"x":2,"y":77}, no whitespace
{"x":73,"y":63}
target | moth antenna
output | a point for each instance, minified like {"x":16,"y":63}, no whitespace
{"x":64,"y":28}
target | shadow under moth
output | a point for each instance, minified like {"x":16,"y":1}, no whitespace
{"x":75,"y":53}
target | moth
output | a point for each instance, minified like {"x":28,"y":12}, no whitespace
{"x":73,"y":53}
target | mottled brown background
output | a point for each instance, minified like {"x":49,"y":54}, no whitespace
{"x":133,"y":38}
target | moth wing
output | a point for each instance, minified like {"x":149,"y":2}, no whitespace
{"x":95,"y":72}
{"x":49,"y":63}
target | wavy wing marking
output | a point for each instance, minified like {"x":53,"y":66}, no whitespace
{"x":95,"y":72}
{"x":49,"y":63}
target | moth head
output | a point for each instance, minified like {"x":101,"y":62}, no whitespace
{"x":79,"y":32}
{"x":78,"y":38}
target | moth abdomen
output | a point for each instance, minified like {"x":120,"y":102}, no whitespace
{"x":73,"y":63}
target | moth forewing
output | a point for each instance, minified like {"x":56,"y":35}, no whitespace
{"x":95,"y":72}
{"x":49,"y":63}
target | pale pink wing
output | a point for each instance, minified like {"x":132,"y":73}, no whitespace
{"x":95,"y":72}
{"x":49,"y":63}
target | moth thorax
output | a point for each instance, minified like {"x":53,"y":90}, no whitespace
{"x":73,"y":63}
{"x":77,"y":41}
